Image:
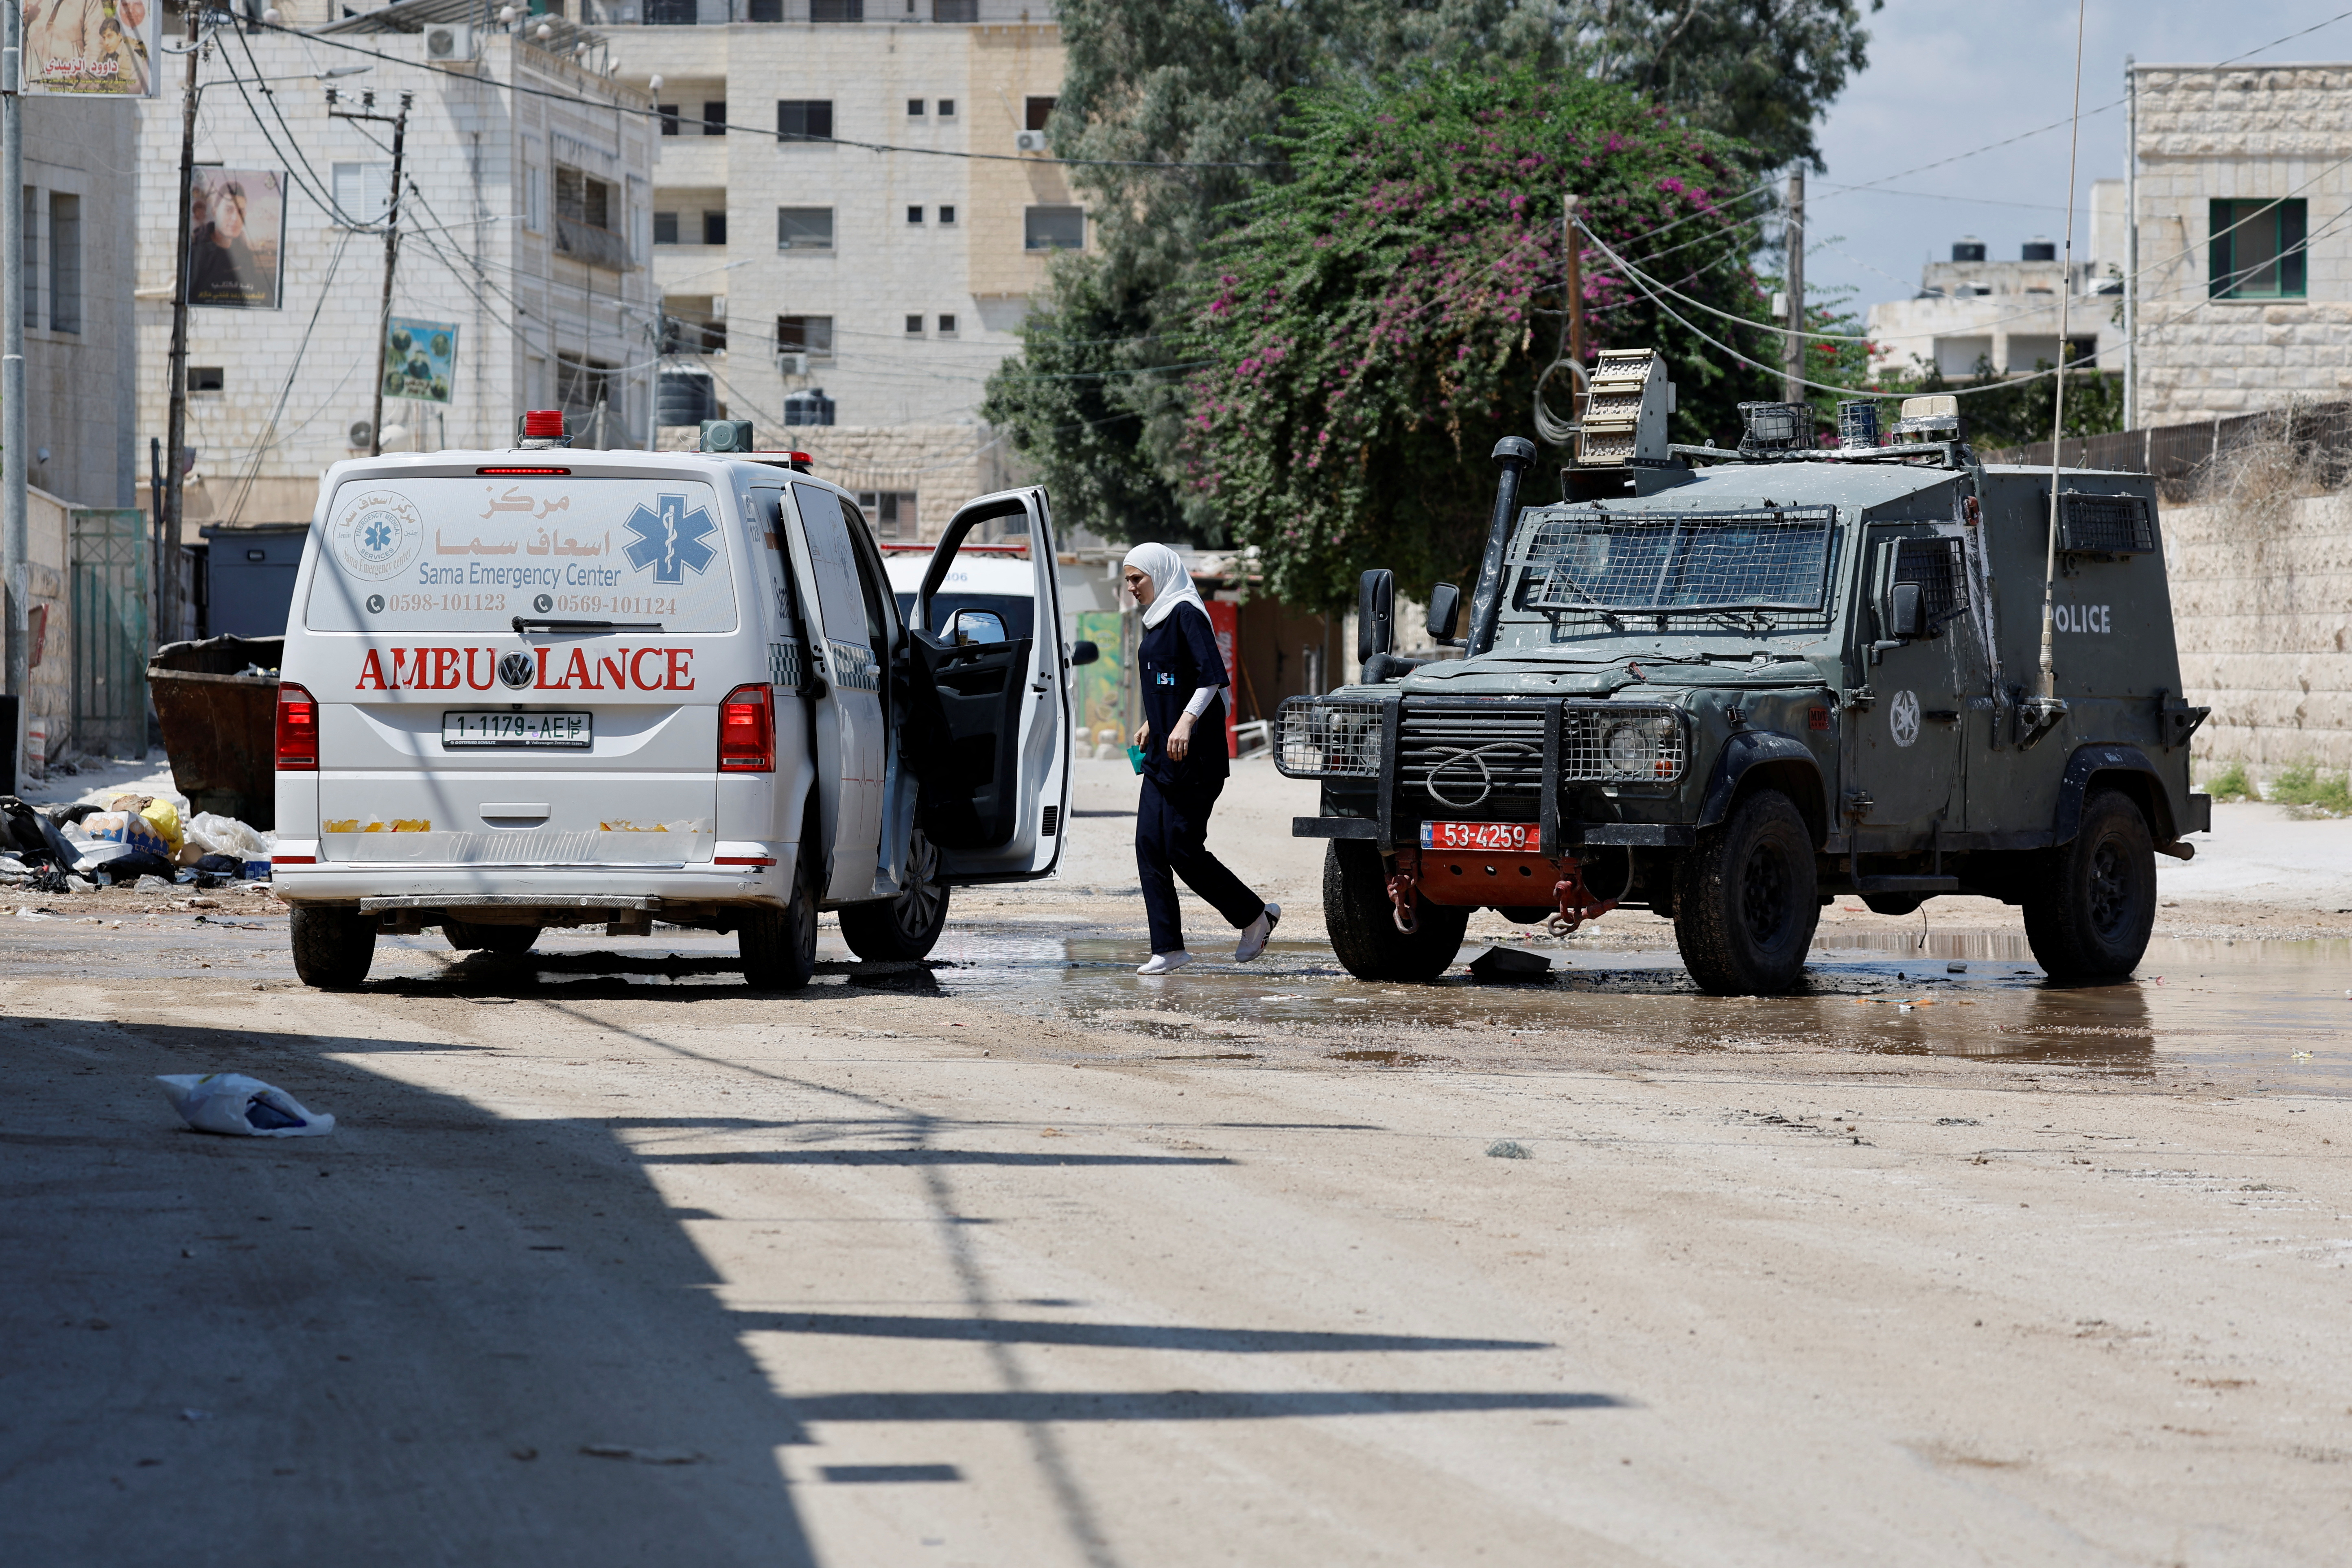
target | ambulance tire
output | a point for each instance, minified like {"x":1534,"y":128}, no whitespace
{"x":778,"y":946}
{"x":1361,"y":922}
{"x":1745,"y":900}
{"x":332,"y":947}
{"x":907,"y":927}
{"x":2089,"y":910}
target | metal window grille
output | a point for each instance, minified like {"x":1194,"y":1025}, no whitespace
{"x":2108,"y":524}
{"x":1592,"y":559}
{"x":1941,"y":572}
{"x":1621,"y":744}
{"x":1328,"y":738}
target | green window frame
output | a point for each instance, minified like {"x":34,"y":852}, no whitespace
{"x":2258,"y":249}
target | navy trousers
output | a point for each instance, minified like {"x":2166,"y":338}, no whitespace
{"x":1171,"y":834}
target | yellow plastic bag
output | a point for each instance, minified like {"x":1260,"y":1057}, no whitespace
{"x":167,"y":822}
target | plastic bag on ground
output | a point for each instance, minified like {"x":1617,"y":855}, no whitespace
{"x":239,"y":1106}
{"x":227,"y":835}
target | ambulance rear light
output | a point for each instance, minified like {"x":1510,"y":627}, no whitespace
{"x":747,"y":731}
{"x":298,"y":730}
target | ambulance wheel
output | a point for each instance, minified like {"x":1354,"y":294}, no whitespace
{"x":907,"y":927}
{"x":1361,"y":921}
{"x":2089,"y":910}
{"x":332,"y":947}
{"x":466,"y":936}
{"x":778,"y":946}
{"x":1745,"y":904}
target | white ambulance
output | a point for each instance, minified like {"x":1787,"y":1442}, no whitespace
{"x":548,"y":687}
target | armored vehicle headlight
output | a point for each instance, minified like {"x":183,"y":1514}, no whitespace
{"x":1663,"y":728}
{"x":1628,"y":748}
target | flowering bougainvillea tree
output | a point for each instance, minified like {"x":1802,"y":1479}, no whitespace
{"x":1377,"y":324}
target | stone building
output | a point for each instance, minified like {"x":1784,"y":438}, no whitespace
{"x":527,"y":228}
{"x":2245,"y":292}
{"x":851,"y":209}
{"x":81,"y":434}
{"x":1978,"y":308}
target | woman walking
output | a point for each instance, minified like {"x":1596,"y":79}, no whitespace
{"x":1184,"y":763}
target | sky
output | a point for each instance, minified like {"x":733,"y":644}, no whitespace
{"x":1944,"y":78}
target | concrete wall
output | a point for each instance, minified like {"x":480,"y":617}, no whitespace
{"x":2241,"y":132}
{"x":2262,"y":606}
{"x":79,"y":382}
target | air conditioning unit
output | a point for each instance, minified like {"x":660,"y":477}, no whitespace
{"x":1030,"y":142}
{"x":792,"y":364}
{"x":447,"y":43}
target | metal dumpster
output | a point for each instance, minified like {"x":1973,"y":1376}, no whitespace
{"x":220,"y":726}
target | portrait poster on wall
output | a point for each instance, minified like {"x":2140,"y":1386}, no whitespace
{"x":236,"y":238}
{"x":91,"y":48}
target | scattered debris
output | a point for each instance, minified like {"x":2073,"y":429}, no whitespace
{"x":232,"y":1103}
{"x":641,"y":1456}
{"x":1510,"y":966}
{"x":1507,"y":1149}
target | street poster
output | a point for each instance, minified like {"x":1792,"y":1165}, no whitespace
{"x":236,"y":237}
{"x":91,"y":48}
{"x":420,"y":359}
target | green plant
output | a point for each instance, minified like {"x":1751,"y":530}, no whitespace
{"x":2231,"y":784}
{"x":2303,"y":785}
{"x":1379,"y":321}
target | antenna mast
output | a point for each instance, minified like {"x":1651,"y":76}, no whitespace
{"x":2046,"y":709}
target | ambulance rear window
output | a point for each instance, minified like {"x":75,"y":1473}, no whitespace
{"x":471,"y":554}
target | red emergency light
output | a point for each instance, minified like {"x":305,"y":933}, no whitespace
{"x":543,"y":425}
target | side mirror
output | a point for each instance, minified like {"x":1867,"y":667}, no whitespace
{"x":975,"y":626}
{"x":1444,"y":610}
{"x":1906,"y":616}
{"x":1375,"y":614}
{"x":1084,"y":654}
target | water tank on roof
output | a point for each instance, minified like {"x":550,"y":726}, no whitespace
{"x":2040,"y":249}
{"x":687,"y":397}
{"x":1969,"y":248}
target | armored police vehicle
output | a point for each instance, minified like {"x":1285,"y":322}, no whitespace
{"x":1728,"y":686}
{"x":548,"y":687}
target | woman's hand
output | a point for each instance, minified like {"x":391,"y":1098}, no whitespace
{"x":1143,"y":736}
{"x":1179,"y":739}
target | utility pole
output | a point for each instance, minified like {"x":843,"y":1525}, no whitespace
{"x":2131,"y":245}
{"x":399,"y":123}
{"x":1792,"y":378}
{"x":1572,"y":255}
{"x":13,"y":437}
{"x":175,"y":467}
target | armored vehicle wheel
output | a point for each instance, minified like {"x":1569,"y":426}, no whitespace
{"x":2093,"y":902}
{"x":1362,"y":921}
{"x":908,"y":925}
{"x":1745,"y":906}
{"x":1892,"y":902}
{"x":465,"y":936}
{"x":332,"y":947}
{"x":778,"y":946}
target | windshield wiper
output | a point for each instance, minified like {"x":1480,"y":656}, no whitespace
{"x":537,"y":623}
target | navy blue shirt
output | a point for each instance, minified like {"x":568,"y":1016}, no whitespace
{"x":1178,"y":657}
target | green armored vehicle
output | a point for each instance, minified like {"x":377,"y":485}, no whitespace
{"x":1730,"y":685}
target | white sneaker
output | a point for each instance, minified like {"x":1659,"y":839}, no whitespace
{"x":1162,"y":963}
{"x":1255,"y":939}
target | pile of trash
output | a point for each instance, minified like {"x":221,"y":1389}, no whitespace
{"x":124,"y":841}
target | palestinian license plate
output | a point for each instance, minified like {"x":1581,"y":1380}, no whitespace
{"x":519,"y":730}
{"x":1508,"y":836}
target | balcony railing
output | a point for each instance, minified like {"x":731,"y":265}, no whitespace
{"x":589,"y":244}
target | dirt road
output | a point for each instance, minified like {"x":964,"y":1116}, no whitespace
{"x":1016,"y":1259}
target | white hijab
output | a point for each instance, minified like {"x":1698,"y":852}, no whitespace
{"x":1172,"y":585}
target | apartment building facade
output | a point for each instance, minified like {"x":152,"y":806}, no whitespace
{"x":525,"y":232}
{"x":1985,"y":309}
{"x":2245,"y":267}
{"x":852,"y":208}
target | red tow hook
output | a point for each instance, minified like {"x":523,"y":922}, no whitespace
{"x":1575,"y":901}
{"x":1404,"y":891}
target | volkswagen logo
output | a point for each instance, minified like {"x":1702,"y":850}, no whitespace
{"x":1464,"y":778}
{"x":518,"y":670}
